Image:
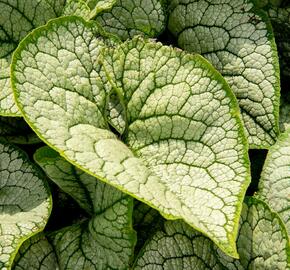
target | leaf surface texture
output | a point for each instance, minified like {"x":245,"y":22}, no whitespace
{"x":262,"y":245}
{"x":25,"y":202}
{"x":238,"y":40}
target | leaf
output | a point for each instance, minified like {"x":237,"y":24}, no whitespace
{"x":98,"y":6}
{"x":186,"y":156}
{"x":134,"y":17}
{"x":280,"y":19}
{"x":17,"y":19}
{"x":15,"y":130}
{"x":116,"y":113}
{"x":36,"y":253}
{"x":172,"y":135}
{"x":73,"y":181}
{"x":262,"y":244}
{"x":239,"y":42}
{"x":274,"y":185}
{"x":101,"y":5}
{"x":25,"y":202}
{"x":81,"y":186}
{"x":146,"y":222}
{"x":106,"y":241}
{"x":78,"y":8}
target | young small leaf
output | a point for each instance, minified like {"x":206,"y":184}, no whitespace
{"x":25,"y":202}
{"x":238,"y":40}
{"x":98,"y":6}
{"x":116,"y":113}
{"x":262,"y":244}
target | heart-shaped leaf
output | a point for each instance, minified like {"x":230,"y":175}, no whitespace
{"x":185,"y":151}
{"x":25,"y":202}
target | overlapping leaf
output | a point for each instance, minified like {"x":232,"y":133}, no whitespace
{"x":274,"y":185}
{"x":73,"y":181}
{"x":25,"y":202}
{"x":239,"y":42}
{"x":262,"y":244}
{"x":147,"y":221}
{"x":128,"y":18}
{"x":87,"y":9}
{"x":17,"y":19}
{"x":172,"y":112}
{"x":36,"y":253}
{"x":106,"y":241}
{"x":185,"y":151}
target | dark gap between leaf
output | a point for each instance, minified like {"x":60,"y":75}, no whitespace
{"x":167,"y":38}
{"x":257,"y":158}
{"x":65,"y":211}
{"x":30,"y":148}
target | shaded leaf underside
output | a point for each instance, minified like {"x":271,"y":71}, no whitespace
{"x":15,"y":130}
